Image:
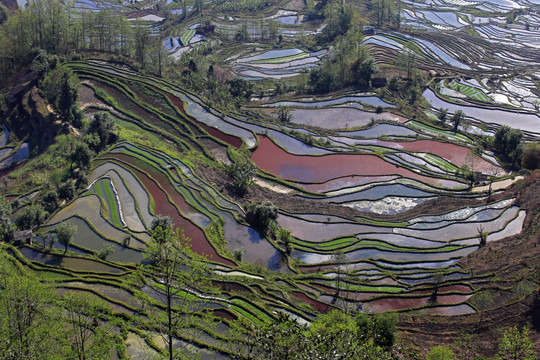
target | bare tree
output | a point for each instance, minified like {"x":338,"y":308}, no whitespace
{"x":493,"y":172}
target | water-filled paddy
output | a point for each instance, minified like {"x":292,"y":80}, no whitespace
{"x":339,"y":117}
{"x":164,"y":206}
{"x":345,"y":100}
{"x":381,"y":130}
{"x":324,"y":168}
{"x":77,"y":264}
{"x":88,"y":238}
{"x":524,"y":121}
{"x":257,"y":250}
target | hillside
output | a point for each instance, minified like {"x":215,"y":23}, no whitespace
{"x":288,"y":185}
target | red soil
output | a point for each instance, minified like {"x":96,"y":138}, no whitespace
{"x":317,"y":305}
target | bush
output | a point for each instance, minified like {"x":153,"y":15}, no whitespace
{"x":107,"y":250}
{"x":242,"y":175}
{"x":238,"y":254}
{"x":441,"y":353}
{"x":240,"y":88}
{"x":66,"y":190}
{"x":384,"y":329}
{"x":508,"y":143}
{"x":50,"y":201}
{"x":29,"y":217}
{"x":165,"y":222}
{"x":531,"y":156}
{"x":259,"y":215}
{"x":284,"y":114}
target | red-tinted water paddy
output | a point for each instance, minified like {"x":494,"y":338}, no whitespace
{"x":229,"y":139}
{"x":199,"y":242}
{"x":345,"y":182}
{"x":454,"y":153}
{"x":272,"y":158}
{"x":317,"y":305}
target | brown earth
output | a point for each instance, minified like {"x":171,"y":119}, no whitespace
{"x":504,"y":264}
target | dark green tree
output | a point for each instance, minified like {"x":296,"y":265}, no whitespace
{"x":508,"y":143}
{"x":242,"y":175}
{"x":320,"y":80}
{"x":141,"y":36}
{"x":457,"y":118}
{"x":6,"y":227}
{"x":162,"y":221}
{"x":394,"y":83}
{"x":103,"y":127}
{"x":65,"y":232}
{"x":384,"y":329}
{"x":40,"y":64}
{"x":67,"y":100}
{"x":261,"y":214}
{"x":240,"y":88}
{"x":81,"y":156}
{"x":50,"y":201}
{"x":364,"y":70}
{"x":30,"y":217}
{"x":442,"y":115}
{"x":66,"y":190}
{"x":531,"y":156}
{"x":4,"y":13}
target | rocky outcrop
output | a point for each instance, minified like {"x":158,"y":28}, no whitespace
{"x":28,"y":114}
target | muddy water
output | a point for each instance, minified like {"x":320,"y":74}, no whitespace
{"x":199,"y":242}
{"x":270,"y":157}
{"x":229,"y":139}
{"x":88,"y":238}
{"x":524,"y":121}
{"x":68,"y":262}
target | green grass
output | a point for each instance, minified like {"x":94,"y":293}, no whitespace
{"x":439,"y":162}
{"x":246,"y":314}
{"x":438,"y":132}
{"x":103,"y":189}
{"x":252,"y":309}
{"x":187,"y":36}
{"x":471,"y":92}
{"x":179,"y":293}
{"x":349,"y":244}
{"x":374,"y":289}
{"x":113,"y":205}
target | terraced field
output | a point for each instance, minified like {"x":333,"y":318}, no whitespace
{"x":354,"y":190}
{"x":377,"y":194}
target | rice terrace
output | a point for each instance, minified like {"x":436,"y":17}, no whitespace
{"x":270,"y":179}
